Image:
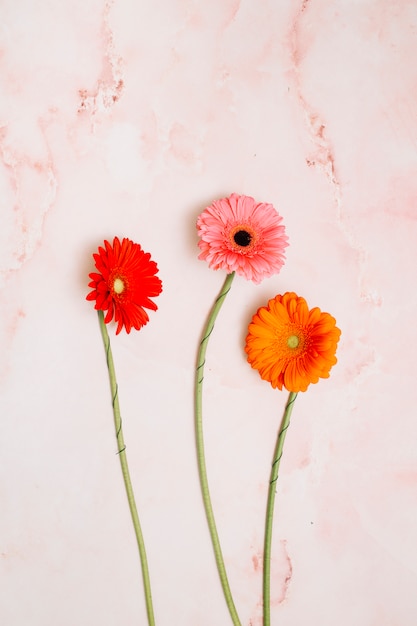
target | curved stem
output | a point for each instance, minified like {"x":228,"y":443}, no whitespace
{"x":199,"y":375}
{"x":270,"y":508}
{"x":121,"y":451}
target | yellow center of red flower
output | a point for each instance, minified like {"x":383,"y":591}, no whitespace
{"x":118,"y":285}
{"x":293,"y":341}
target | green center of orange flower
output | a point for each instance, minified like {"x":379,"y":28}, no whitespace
{"x":293,"y":341}
{"x":118,"y":285}
{"x":242,"y":238}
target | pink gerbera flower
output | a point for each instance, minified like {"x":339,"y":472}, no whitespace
{"x":243,"y":236}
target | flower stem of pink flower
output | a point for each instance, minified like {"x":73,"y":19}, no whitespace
{"x":121,"y":451}
{"x":200,"y":448}
{"x":270,"y":508}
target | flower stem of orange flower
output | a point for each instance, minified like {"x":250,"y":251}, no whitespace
{"x":200,"y":448}
{"x":121,"y":451}
{"x":270,"y":508}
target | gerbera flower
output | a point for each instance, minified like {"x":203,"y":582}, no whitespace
{"x":123,"y":286}
{"x":290,"y":345}
{"x":125,"y":283}
{"x":243,"y":236}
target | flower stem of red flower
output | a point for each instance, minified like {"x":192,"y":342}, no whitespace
{"x":121,"y":448}
{"x":200,"y":448}
{"x":270,"y":508}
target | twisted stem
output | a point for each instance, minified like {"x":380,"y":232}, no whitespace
{"x":121,"y":451}
{"x":270,"y":508}
{"x":199,"y":376}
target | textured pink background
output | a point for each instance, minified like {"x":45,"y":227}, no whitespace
{"x":126,"y":118}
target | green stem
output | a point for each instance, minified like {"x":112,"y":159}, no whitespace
{"x":200,"y":448}
{"x":121,"y":450}
{"x":270,"y":508}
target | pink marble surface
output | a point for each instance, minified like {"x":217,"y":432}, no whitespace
{"x":126,"y":118}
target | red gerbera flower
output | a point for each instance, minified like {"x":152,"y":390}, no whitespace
{"x":125,"y":284}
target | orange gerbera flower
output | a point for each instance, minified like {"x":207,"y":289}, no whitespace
{"x":125,"y":284}
{"x":290,"y":345}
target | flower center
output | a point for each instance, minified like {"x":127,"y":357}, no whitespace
{"x":242,"y":238}
{"x":293,"y":341}
{"x":118,"y":286}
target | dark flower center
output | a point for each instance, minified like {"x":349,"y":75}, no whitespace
{"x":242,"y":238}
